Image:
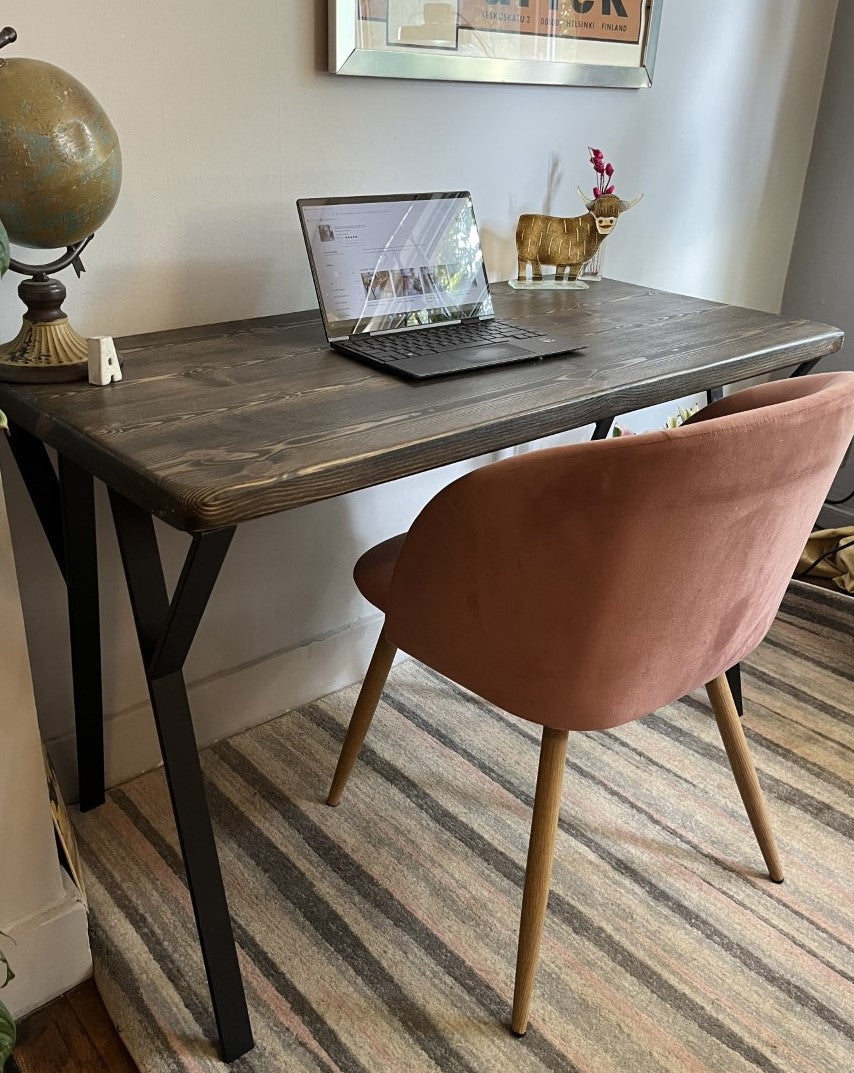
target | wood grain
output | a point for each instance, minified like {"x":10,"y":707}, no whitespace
{"x":72,"y":1035}
{"x":538,"y":872}
{"x":215,"y":425}
{"x":363,"y":714}
{"x":744,"y":771}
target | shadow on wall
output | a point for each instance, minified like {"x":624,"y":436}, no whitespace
{"x":233,"y":250}
{"x":729,"y":56}
{"x":821,"y":272}
{"x":499,"y":249}
{"x":499,"y":254}
{"x":43,"y":603}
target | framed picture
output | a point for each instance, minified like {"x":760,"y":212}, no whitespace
{"x":550,"y":42}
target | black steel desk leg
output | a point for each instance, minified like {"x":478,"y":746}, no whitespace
{"x":602,"y":428}
{"x":733,"y":676}
{"x":77,"y":501}
{"x":66,"y":510}
{"x":165,"y":631}
{"x":42,"y":486}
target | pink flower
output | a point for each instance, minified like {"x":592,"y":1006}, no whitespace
{"x":601,"y":169}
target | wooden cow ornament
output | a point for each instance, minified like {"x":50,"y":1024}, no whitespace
{"x":567,"y":242}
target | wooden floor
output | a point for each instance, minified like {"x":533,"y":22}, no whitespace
{"x":72,"y":1035}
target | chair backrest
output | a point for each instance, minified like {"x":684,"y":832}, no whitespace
{"x":584,"y":586}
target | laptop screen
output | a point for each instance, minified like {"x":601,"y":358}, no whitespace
{"x":394,"y":261}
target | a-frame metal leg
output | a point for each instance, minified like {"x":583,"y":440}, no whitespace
{"x":602,"y":428}
{"x":538,"y":872}
{"x":77,"y":502}
{"x":165,"y":631}
{"x":66,"y":509}
{"x":744,"y":772}
{"x":42,"y":486}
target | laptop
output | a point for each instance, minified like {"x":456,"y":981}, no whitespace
{"x":401,"y":285}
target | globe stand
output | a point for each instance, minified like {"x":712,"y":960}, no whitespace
{"x":47,"y":350}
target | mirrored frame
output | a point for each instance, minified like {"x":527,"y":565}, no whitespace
{"x":374,"y":47}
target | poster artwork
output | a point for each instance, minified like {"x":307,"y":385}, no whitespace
{"x":376,"y":10}
{"x":592,"y":20}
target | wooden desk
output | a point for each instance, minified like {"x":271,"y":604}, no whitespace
{"x":216,"y":425}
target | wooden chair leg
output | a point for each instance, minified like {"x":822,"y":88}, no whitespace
{"x":538,"y":873}
{"x":744,"y":771}
{"x":363,"y":713}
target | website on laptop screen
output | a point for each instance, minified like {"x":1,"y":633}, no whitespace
{"x":398,"y":262}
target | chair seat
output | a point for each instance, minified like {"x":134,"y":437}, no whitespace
{"x":373,"y":572}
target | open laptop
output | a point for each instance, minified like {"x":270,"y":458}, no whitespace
{"x":401,"y":285}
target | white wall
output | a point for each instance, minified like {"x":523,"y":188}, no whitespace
{"x":39,"y":909}
{"x":226,"y":116}
{"x":820,"y":283}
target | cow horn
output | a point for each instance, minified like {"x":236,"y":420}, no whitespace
{"x":626,"y":205}
{"x":583,"y":196}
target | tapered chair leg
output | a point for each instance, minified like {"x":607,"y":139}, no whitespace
{"x":538,"y":873}
{"x":744,"y":771}
{"x":363,"y":713}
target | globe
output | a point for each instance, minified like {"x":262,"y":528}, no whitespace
{"x":60,"y":175}
{"x":60,"y":162}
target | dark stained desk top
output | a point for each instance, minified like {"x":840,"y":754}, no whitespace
{"x":219,"y":424}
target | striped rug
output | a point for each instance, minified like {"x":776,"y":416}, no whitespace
{"x":380,"y":937}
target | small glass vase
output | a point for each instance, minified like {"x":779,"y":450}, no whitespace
{"x":592,"y":270}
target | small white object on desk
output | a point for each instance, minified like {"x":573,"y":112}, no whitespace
{"x":104,"y":365}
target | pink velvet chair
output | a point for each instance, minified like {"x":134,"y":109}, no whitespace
{"x":581,"y":587}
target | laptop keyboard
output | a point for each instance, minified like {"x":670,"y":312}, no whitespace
{"x":436,"y":340}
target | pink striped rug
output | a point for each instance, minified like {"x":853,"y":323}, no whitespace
{"x":380,"y":937}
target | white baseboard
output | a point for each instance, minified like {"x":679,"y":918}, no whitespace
{"x":231,"y":701}
{"x":49,"y":953}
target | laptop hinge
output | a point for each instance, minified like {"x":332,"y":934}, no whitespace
{"x":407,"y":328}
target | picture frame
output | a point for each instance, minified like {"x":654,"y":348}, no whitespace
{"x":541,"y":42}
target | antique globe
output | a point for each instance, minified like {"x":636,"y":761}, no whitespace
{"x":60,"y":174}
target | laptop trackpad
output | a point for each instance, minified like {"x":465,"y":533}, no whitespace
{"x":461,"y":359}
{"x":482,"y":355}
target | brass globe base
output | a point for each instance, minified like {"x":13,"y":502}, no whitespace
{"x":46,"y":350}
{"x":45,"y":354}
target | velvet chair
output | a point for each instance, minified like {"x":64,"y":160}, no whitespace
{"x":581,"y":587}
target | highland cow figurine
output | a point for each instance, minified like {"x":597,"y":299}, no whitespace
{"x":569,"y":243}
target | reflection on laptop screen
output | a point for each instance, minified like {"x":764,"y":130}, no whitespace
{"x":395,"y":262}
